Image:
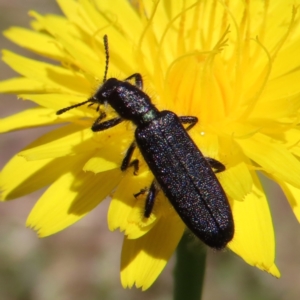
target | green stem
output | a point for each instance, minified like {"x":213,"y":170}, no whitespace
{"x":189,"y":270}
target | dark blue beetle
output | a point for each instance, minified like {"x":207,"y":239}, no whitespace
{"x":181,"y":171}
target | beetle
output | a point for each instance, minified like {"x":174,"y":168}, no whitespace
{"x":181,"y":171}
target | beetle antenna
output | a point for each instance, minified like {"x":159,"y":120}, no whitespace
{"x":105,"y":40}
{"x":63,"y":110}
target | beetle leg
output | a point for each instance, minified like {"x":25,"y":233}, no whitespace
{"x":141,"y":192}
{"x":188,"y":120}
{"x":100,"y":118}
{"x":99,"y":126}
{"x":152,"y":193}
{"x":126,"y":161}
{"x":216,"y":165}
{"x":135,"y":165}
{"x":137,"y":80}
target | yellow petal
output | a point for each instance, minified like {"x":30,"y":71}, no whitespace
{"x":94,"y":19}
{"x":82,"y":54}
{"x":254,"y":234}
{"x":123,"y":199}
{"x":67,"y":200}
{"x":293,"y":195}
{"x":32,"y":117}
{"x":20,"y":177}
{"x":127,"y":17}
{"x":287,"y":59}
{"x":55,"y":78}
{"x":17,"y":85}
{"x":103,"y":161}
{"x":291,"y":137}
{"x":207,"y":143}
{"x":277,"y":108}
{"x":273,"y":157}
{"x":109,"y":156}
{"x":237,"y":181}
{"x":75,"y":13}
{"x":59,"y":101}
{"x":36,"y":42}
{"x":40,"y":23}
{"x":143,"y":259}
{"x":68,"y":140}
{"x":137,"y":224}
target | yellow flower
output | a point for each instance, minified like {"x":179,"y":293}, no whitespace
{"x":234,"y":65}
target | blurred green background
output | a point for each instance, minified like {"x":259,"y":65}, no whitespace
{"x":82,"y":262}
